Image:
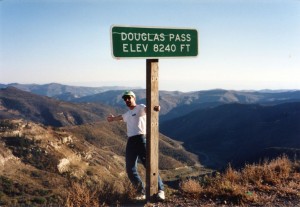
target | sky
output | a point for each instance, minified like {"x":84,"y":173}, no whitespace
{"x":243,"y":44}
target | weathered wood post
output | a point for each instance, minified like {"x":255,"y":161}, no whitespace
{"x":152,"y":127}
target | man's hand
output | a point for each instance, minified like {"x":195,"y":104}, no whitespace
{"x":110,"y":118}
{"x":156,"y":108}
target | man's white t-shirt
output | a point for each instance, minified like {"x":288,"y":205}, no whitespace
{"x":135,"y":120}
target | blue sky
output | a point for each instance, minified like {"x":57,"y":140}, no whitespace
{"x":243,"y":44}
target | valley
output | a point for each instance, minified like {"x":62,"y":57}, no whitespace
{"x":48,"y":140}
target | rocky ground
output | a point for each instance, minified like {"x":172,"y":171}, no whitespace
{"x":179,"y":201}
{"x":184,"y":202}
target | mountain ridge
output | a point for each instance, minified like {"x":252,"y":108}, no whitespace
{"x":248,"y":129}
{"x":15,"y":103}
{"x":61,"y":91}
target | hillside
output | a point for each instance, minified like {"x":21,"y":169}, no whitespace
{"x":254,"y":129}
{"x":42,"y":166}
{"x":15,"y":103}
{"x":47,"y":144}
{"x":238,"y":133}
{"x":39,"y":162}
{"x":81,"y":117}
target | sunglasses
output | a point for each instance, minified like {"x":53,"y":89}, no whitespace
{"x":126,"y":97}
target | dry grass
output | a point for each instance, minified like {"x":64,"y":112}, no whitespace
{"x":256,"y":184}
{"x":82,"y":195}
{"x":101,"y":194}
{"x":191,"y":187}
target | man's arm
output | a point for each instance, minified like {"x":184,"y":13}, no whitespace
{"x":112,"y":118}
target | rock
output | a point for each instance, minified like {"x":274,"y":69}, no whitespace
{"x":63,"y":165}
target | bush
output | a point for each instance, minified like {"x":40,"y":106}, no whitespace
{"x":6,"y":185}
{"x":81,"y":195}
{"x":101,"y":194}
{"x":39,"y":200}
{"x":190,"y":187}
{"x":256,"y":184}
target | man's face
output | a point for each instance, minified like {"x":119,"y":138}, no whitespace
{"x":130,"y":101}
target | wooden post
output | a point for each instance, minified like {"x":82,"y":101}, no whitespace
{"x":152,"y":128}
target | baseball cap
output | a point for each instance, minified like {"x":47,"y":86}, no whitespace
{"x":128,"y":93}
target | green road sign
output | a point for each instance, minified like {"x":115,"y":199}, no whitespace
{"x":151,"y":42}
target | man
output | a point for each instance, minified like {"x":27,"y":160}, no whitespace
{"x":135,"y":119}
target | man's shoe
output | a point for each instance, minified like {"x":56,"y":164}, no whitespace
{"x":161,"y":195}
{"x":140,"y":197}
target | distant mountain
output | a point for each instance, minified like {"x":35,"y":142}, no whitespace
{"x":60,"y":91}
{"x":175,"y":104}
{"x":15,"y":103}
{"x":111,"y":98}
{"x":188,"y":102}
{"x":237,"y":133}
{"x":200,"y":119}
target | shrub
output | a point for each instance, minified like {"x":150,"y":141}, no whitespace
{"x":39,"y":200}
{"x":256,"y":184}
{"x":81,"y":195}
{"x":190,"y":187}
{"x":270,"y":173}
{"x":6,"y":185}
{"x":101,"y":194}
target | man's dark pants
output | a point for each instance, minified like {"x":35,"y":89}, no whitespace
{"x":136,"y":149}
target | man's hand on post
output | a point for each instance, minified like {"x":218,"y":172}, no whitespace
{"x":156,"y":108}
